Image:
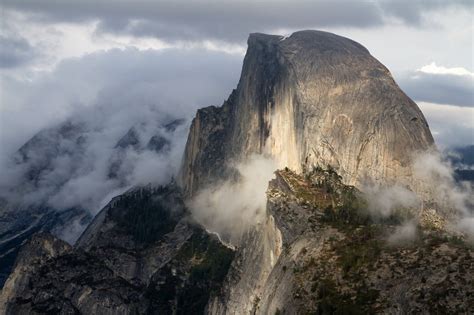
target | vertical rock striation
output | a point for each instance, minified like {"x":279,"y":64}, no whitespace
{"x":313,"y":98}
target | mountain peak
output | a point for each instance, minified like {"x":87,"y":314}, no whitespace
{"x":310,"y":40}
{"x":313,"y":98}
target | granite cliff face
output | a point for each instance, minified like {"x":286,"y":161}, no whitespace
{"x":313,"y":98}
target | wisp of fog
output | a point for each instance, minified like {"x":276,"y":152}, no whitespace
{"x":229,"y":208}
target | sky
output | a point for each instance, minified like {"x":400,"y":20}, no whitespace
{"x":60,"y":57}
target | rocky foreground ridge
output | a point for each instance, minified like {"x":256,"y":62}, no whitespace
{"x":140,"y":255}
{"x":325,"y":254}
{"x":318,"y":251}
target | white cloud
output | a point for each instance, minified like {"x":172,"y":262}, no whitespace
{"x":384,"y":201}
{"x":456,"y":200}
{"x":229,"y":208}
{"x":466,"y":225}
{"x":451,"y":125}
{"x":438,"y":173}
{"x":432,"y":68}
{"x":59,"y":41}
{"x":182,"y":80}
{"x":404,"y":233}
{"x":446,"y":38}
{"x":109,"y":92}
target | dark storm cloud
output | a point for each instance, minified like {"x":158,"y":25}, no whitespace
{"x":225,"y":20}
{"x":440,"y":88}
{"x":413,"y":11}
{"x":234,"y":21}
{"x":204,"y":19}
{"x":15,"y":51}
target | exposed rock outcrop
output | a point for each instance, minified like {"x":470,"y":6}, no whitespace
{"x":320,"y":252}
{"x":17,"y":226}
{"x":37,"y":251}
{"x":313,"y":98}
{"x":141,"y":255}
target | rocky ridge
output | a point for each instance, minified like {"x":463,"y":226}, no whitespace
{"x":318,"y":251}
{"x":328,"y":255}
{"x":140,"y":255}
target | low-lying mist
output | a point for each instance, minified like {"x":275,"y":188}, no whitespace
{"x":97,"y":125}
{"x":454,"y":198}
{"x":443,"y":195}
{"x":229,"y":208}
{"x":86,"y":105}
{"x":384,"y":201}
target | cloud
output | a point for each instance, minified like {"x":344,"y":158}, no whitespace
{"x":432,"y":68}
{"x":231,"y":207}
{"x":452,"y":200}
{"x":438,"y":174}
{"x":456,"y":200}
{"x":452,"y":126}
{"x":71,"y":231}
{"x":15,"y":52}
{"x":78,"y":164}
{"x":202,"y":19}
{"x":178,"y":81}
{"x":102,"y":96}
{"x":466,"y":225}
{"x":413,"y":12}
{"x":440,"y":85}
{"x":404,"y":233}
{"x":226,"y":21}
{"x":385,"y":201}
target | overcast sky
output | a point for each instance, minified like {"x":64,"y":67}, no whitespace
{"x":58,"y":56}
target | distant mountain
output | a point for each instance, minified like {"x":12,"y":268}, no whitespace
{"x":50,"y":162}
